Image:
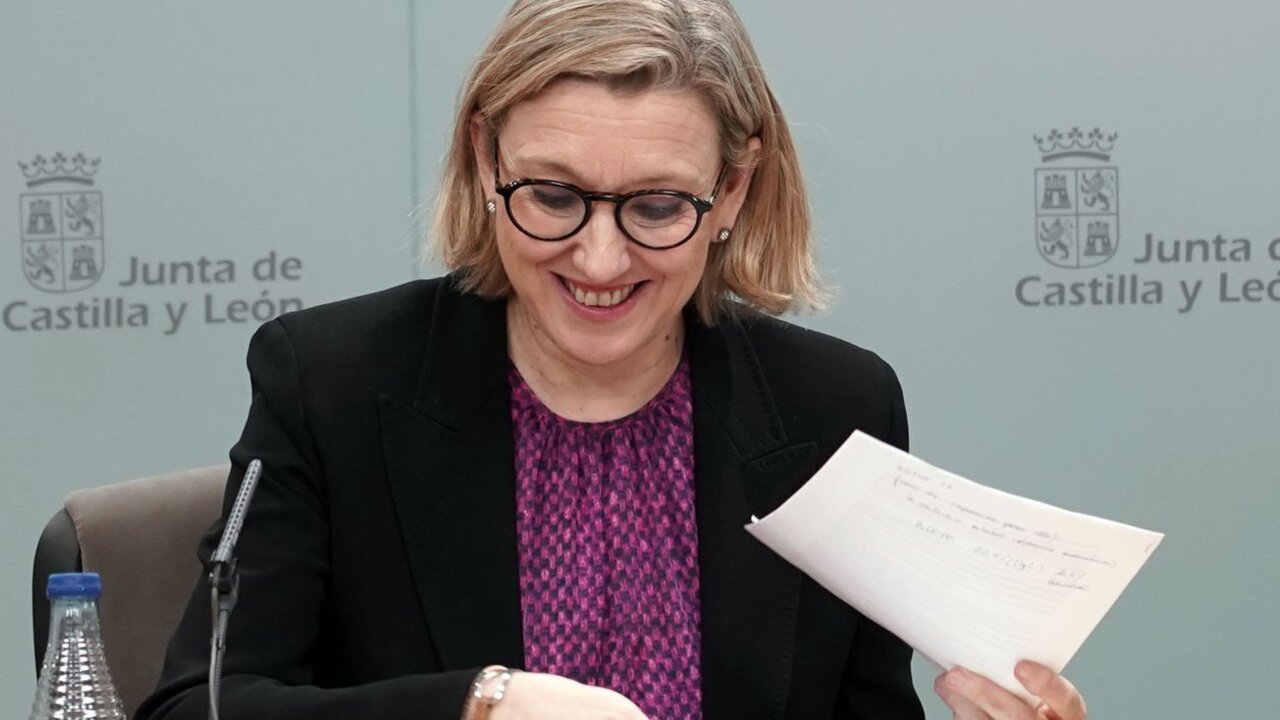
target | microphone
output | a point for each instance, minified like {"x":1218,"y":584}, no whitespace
{"x":224,"y":581}
{"x":235,"y":520}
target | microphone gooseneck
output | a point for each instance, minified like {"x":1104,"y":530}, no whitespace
{"x":224,"y":582}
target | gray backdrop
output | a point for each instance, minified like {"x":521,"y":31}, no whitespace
{"x":312,"y":131}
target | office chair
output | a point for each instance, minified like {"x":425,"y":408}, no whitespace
{"x":141,"y":536}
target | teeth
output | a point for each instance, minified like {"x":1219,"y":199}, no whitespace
{"x":591,"y":298}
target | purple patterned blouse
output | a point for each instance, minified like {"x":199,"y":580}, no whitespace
{"x":609,"y":548}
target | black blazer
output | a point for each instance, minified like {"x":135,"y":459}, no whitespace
{"x":379,"y":556}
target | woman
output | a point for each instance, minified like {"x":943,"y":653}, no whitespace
{"x":545,"y":460}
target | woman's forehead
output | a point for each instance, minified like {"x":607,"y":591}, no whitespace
{"x":600,"y":134}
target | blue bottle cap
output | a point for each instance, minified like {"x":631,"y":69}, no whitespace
{"x":83,"y":584}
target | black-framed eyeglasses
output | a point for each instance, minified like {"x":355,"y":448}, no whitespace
{"x":550,"y":210}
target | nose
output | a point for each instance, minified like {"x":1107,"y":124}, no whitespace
{"x":603,"y":253}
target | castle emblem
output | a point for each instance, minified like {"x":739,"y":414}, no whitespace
{"x":61,"y":235}
{"x":1077,"y":198}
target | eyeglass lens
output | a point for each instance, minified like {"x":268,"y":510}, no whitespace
{"x":550,"y":212}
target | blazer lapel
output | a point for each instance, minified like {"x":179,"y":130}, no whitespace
{"x":744,"y":465}
{"x":450,"y":466}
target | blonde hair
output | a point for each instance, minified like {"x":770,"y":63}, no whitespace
{"x":636,"y":45}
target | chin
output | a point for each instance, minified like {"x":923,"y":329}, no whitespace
{"x":599,"y":349}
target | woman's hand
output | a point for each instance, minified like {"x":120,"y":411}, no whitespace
{"x":973,"y":697}
{"x":537,"y":696}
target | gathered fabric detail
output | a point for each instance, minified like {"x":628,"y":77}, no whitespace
{"x":608,"y":547}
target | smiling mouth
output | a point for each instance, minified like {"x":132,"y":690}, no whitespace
{"x":598,"y":298}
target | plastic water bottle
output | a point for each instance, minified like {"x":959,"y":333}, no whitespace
{"x":74,"y":681}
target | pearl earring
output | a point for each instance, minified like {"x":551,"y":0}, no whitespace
{"x":491,"y":207}
{"x":724,"y":235}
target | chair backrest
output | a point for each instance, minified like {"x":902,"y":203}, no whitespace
{"x":141,"y":536}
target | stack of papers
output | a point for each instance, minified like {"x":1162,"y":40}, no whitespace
{"x":965,"y":574}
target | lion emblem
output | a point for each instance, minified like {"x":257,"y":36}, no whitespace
{"x":1097,"y":189}
{"x":1052,"y":238}
{"x":80,"y":213}
{"x":42,"y":265}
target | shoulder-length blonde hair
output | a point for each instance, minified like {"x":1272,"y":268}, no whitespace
{"x":636,"y":45}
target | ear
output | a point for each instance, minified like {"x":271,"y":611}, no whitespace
{"x":733,"y":191}
{"x":482,"y":149}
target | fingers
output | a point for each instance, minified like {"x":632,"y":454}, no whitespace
{"x":1061,"y":697}
{"x":961,"y":708}
{"x":973,"y":697}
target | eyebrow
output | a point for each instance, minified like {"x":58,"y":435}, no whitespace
{"x":549,"y":168}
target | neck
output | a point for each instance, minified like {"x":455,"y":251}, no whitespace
{"x":588,"y":392}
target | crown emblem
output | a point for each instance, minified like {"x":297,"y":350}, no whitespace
{"x":77,"y":169}
{"x":1075,"y":143}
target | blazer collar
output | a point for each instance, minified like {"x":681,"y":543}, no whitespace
{"x":466,"y":357}
{"x":730,"y":384}
{"x":450,"y":464}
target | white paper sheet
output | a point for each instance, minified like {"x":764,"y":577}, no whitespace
{"x":965,"y":574}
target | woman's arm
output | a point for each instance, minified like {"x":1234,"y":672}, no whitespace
{"x":284,"y":566}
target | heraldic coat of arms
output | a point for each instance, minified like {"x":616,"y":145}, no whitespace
{"x":1077,"y":202}
{"x":61,"y":234}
